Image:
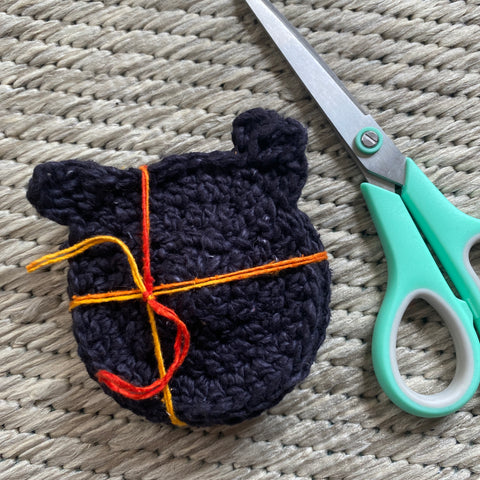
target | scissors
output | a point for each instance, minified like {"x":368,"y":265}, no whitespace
{"x":403,"y":204}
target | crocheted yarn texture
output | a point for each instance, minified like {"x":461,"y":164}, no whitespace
{"x":252,"y":340}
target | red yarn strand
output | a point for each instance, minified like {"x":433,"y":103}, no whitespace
{"x":182,"y":338}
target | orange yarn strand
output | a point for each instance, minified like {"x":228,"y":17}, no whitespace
{"x":177,"y":287}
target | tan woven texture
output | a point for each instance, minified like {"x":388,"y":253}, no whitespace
{"x":126,"y":82}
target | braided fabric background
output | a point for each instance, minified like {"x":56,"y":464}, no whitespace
{"x":126,"y":82}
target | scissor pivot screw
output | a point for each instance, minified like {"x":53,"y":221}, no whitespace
{"x":369,"y":140}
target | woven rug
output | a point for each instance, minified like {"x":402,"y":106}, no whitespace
{"x":126,"y":82}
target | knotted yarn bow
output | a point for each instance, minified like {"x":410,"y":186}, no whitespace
{"x":145,"y":285}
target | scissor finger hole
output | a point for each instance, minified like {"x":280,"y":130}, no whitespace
{"x":474,"y":258}
{"x":425,"y":351}
{"x":458,"y":320}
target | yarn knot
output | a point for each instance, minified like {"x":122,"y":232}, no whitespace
{"x":148,"y":297}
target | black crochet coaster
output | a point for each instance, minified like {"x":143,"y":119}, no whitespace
{"x":253,"y":339}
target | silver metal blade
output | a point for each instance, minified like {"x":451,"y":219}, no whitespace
{"x":338,"y":105}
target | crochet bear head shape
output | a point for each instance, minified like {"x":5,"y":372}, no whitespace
{"x":252,"y":340}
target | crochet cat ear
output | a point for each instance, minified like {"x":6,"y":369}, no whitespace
{"x":69,"y":192}
{"x":272,"y":142}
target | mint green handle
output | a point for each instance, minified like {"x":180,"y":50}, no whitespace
{"x":413,"y":273}
{"x":450,"y":232}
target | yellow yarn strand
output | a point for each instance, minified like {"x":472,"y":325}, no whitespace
{"x":167,"y":394}
{"x":84,"y":245}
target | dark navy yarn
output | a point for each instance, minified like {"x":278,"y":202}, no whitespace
{"x":252,"y":340}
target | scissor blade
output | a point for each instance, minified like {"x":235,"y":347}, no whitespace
{"x":338,"y":105}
